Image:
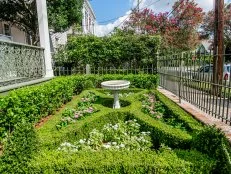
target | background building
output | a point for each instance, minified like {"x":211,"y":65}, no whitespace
{"x":10,"y":32}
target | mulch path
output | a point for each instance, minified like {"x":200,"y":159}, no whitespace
{"x":42,"y":121}
{"x":1,"y":150}
{"x":45,"y":119}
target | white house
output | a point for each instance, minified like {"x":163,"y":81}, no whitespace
{"x":12,"y":33}
{"x":88,"y":22}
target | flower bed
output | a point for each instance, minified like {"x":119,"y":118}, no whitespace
{"x":121,"y":136}
{"x":156,"y":109}
{"x":84,"y":108}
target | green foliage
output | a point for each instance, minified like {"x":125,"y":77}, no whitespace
{"x":214,"y":143}
{"x":172,"y":109}
{"x":83,"y":109}
{"x":64,"y":14}
{"x":22,"y":14}
{"x":88,"y":84}
{"x":132,"y":162}
{"x":33,"y":103}
{"x":160,"y":131}
{"x":113,"y":51}
{"x":157,"y":110}
{"x":19,"y":149}
{"x":120,"y":136}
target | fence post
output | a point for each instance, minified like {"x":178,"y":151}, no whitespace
{"x":88,"y":69}
{"x":180,"y":82}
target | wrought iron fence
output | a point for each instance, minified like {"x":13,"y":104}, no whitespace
{"x":88,"y":69}
{"x":19,"y":63}
{"x":190,"y":76}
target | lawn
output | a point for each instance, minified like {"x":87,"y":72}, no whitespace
{"x":83,"y":134}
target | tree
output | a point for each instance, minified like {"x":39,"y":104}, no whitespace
{"x":178,"y":30}
{"x":62,"y":13}
{"x":208,"y":24}
{"x":23,"y":13}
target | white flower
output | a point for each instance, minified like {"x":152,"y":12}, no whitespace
{"x":107,"y":146}
{"x":81,"y":141}
{"x":122,"y":145}
{"x":114,"y":143}
{"x":66,"y":144}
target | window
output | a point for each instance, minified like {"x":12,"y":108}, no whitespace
{"x":207,"y":69}
{"x":86,"y":20}
{"x":7,"y":29}
{"x":228,"y":68}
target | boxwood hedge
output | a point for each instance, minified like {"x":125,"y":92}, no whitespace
{"x":33,"y":103}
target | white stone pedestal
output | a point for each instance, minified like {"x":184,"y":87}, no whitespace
{"x":116,"y":104}
{"x":115,"y":86}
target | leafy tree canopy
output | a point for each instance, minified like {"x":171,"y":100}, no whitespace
{"x":177,"y":29}
{"x":23,"y":13}
{"x":62,"y":13}
{"x":208,"y":24}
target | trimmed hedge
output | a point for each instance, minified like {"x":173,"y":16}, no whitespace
{"x":33,"y":103}
{"x":21,"y":145}
{"x":173,"y":109}
{"x":160,"y":131}
{"x":133,"y":162}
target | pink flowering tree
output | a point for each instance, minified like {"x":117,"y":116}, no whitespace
{"x":178,"y":29}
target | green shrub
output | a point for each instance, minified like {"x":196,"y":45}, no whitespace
{"x":172,"y":109}
{"x":33,"y":103}
{"x":102,"y":51}
{"x":214,"y":143}
{"x":160,"y":132}
{"x":88,"y":84}
{"x":133,"y":162}
{"x":19,"y":149}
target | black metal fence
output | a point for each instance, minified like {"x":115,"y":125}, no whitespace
{"x":190,"y":76}
{"x":88,"y":69}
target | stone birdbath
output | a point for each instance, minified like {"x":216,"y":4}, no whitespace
{"x":115,"y":86}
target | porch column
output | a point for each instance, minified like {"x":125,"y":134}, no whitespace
{"x":44,"y":35}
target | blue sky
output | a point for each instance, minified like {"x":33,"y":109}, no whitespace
{"x":109,"y":9}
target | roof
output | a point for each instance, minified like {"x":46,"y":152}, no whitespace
{"x":207,"y":45}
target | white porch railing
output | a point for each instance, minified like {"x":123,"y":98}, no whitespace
{"x":20,"y":63}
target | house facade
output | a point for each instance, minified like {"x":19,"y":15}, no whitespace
{"x":89,"y":18}
{"x":10,"y":32}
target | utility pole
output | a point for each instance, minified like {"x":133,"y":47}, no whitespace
{"x":218,"y":42}
{"x":138,"y":6}
{"x":138,"y":10}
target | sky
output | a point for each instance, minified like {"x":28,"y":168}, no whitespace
{"x":111,"y":13}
